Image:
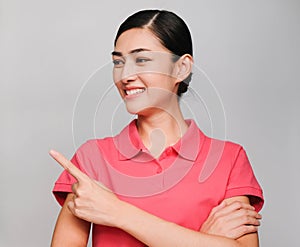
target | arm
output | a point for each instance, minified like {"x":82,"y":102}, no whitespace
{"x":70,"y":230}
{"x":233,"y":218}
{"x":250,"y":235}
{"x":247,"y":232}
{"x":96,"y":204}
{"x":154,"y":231}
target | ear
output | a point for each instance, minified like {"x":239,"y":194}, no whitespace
{"x":183,"y":67}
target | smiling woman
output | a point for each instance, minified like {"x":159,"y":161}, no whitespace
{"x":141,"y":187}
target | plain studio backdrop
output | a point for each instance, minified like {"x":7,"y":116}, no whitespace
{"x":56,"y":92}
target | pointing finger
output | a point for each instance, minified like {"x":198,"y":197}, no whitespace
{"x":68,"y":165}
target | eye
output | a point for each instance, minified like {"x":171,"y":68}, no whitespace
{"x":118,"y":63}
{"x":142,"y":60}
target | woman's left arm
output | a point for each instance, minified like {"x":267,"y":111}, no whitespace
{"x":154,"y":231}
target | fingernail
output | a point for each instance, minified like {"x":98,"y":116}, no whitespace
{"x":53,"y":152}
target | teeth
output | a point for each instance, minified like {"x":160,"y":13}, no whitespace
{"x":135,"y":91}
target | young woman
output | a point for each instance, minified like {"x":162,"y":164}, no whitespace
{"x":155,"y":193}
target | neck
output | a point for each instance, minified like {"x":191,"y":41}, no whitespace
{"x":161,"y":130}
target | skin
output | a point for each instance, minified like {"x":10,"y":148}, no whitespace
{"x":157,"y":107}
{"x":233,"y":223}
{"x":69,"y":229}
{"x":92,"y":202}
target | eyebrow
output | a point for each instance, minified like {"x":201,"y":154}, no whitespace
{"x":119,"y":54}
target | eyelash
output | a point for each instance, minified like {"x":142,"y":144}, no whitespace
{"x":118,"y":63}
{"x":142,"y":60}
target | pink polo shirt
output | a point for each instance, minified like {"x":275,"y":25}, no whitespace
{"x":181,"y":186}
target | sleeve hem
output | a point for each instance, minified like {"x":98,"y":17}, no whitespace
{"x":60,"y":192}
{"x":255,"y":195}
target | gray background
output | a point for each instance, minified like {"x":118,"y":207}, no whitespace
{"x":48,"y":49}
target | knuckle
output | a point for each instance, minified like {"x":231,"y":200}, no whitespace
{"x":76,"y":211}
{"x":74,"y":187}
{"x":238,"y":204}
{"x":256,"y":222}
{"x":247,"y":218}
{"x":248,"y":229}
{"x":213,"y":211}
{"x":252,"y":228}
{"x":216,"y":215}
{"x":251,"y":212}
{"x":79,"y":193}
{"x":78,"y":203}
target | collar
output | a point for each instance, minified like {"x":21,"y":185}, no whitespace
{"x":129,"y":144}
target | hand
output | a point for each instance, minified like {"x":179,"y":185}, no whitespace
{"x":231,"y":220}
{"x":92,"y":201}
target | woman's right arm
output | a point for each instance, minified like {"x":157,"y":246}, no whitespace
{"x":70,"y":230}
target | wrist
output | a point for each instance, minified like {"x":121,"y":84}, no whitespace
{"x":122,"y":215}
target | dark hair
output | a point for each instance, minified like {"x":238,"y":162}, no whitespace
{"x":169,"y":28}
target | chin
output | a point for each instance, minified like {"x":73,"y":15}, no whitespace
{"x":134,"y":110}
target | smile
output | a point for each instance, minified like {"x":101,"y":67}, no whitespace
{"x":135,"y":91}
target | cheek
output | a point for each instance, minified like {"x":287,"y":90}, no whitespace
{"x":120,"y":90}
{"x":158,"y":80}
{"x":147,"y":79}
{"x":117,"y":73}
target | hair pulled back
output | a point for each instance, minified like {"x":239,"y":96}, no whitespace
{"x":169,"y":28}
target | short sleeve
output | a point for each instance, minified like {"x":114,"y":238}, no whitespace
{"x":242,"y":181}
{"x":89,"y":159}
{"x":63,"y":184}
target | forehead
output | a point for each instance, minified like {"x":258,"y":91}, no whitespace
{"x":137,"y":38}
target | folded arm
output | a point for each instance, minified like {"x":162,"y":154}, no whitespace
{"x":156,"y":232}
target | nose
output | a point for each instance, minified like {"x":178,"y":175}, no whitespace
{"x":129,"y":72}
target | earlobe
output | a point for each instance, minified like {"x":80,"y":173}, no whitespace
{"x":184,"y":67}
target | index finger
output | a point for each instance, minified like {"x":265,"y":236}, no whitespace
{"x":68,"y":165}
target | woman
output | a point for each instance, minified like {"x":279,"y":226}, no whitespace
{"x":155,"y":196}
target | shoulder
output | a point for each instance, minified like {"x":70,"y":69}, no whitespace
{"x":106,"y":146}
{"x":210,"y":142}
{"x":226,"y":153}
{"x":91,"y":146}
{"x":227,"y":147}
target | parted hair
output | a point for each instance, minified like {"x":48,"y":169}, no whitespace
{"x":169,"y":28}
